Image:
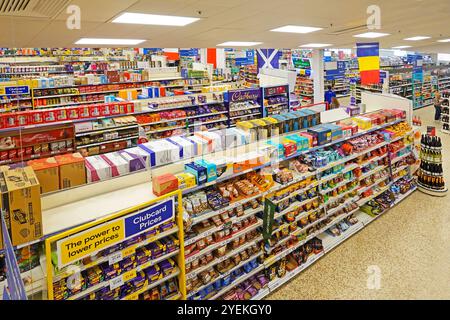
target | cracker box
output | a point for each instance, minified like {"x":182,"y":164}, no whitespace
{"x":135,"y":162}
{"x":322,"y":134}
{"x":97,"y":169}
{"x":211,"y":169}
{"x":164,"y":184}
{"x":47,"y":172}
{"x":200,"y":172}
{"x":119,"y":166}
{"x":72,"y":171}
{"x":186,"y":147}
{"x":186,"y":180}
{"x":21,"y":201}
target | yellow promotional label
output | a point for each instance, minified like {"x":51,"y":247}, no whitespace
{"x":133,"y":296}
{"x":127,"y":276}
{"x":87,"y":243}
{"x":128,"y":251}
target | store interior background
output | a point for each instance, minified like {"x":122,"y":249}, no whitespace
{"x":410,"y":244}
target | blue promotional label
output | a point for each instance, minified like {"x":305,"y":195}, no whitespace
{"x":16,"y":90}
{"x":149,"y":218}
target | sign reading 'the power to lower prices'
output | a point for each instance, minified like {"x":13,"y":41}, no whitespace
{"x":88,"y":242}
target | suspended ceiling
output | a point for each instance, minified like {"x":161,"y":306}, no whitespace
{"x":230,"y":20}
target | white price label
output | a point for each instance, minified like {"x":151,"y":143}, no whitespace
{"x":115,"y":257}
{"x":115,"y":283}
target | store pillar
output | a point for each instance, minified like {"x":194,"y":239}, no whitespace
{"x":318,"y":75}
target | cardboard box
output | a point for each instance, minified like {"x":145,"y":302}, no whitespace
{"x":164,"y":184}
{"x":187,"y":148}
{"x":21,"y":200}
{"x":72,"y":171}
{"x":214,"y":140}
{"x":119,"y":166}
{"x":140,"y":153}
{"x":135,"y":162}
{"x":47,"y":172}
{"x":161,"y":152}
{"x":97,"y":169}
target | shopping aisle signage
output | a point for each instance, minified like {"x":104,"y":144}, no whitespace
{"x":242,"y":95}
{"x":16,"y":288}
{"x":336,"y":73}
{"x":149,"y":218}
{"x":301,"y":63}
{"x":269,"y":212}
{"x":369,"y":62}
{"x":268,"y":58}
{"x":14,"y":90}
{"x":248,"y":59}
{"x":95,"y":239}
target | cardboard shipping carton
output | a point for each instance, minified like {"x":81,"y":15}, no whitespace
{"x":72,"y":171}
{"x":21,"y":199}
{"x":47,"y":172}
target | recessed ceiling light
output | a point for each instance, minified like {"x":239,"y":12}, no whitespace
{"x":417,"y":38}
{"x":371,"y":35}
{"x":238,"y":44}
{"x":102,"y":41}
{"x":315,"y":45}
{"x":401,"y":47}
{"x":444,"y":40}
{"x":154,"y":19}
{"x":296,"y":29}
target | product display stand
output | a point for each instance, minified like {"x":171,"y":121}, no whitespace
{"x":275,"y":100}
{"x":431,"y":176}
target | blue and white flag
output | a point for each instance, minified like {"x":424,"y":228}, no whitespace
{"x":268,"y":58}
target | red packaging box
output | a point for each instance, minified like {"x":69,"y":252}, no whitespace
{"x":164,"y":184}
{"x":94,"y":111}
{"x":36,"y":117}
{"x":10,"y":120}
{"x":115,"y":108}
{"x":49,"y":115}
{"x":61,"y":114}
{"x":83,"y":112}
{"x":2,"y":121}
{"x":399,"y":114}
{"x":22,"y":118}
{"x":73,"y":113}
{"x":105,"y":110}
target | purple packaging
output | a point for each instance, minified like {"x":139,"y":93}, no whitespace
{"x":139,"y":153}
{"x":109,"y":271}
{"x":166,"y":267}
{"x":135,"y":162}
{"x":153,"y":273}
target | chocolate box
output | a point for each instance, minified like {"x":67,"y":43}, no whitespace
{"x":164,"y":184}
{"x":47,"y":172}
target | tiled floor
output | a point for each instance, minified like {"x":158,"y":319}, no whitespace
{"x":410,"y":245}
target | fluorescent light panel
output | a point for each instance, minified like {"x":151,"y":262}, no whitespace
{"x":102,"y":41}
{"x":238,"y":44}
{"x":417,"y":38}
{"x":444,"y":40}
{"x":371,"y":35}
{"x":296,"y":29}
{"x":153,"y":19}
{"x":315,"y":45}
{"x":401,"y":47}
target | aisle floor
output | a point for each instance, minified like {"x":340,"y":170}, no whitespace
{"x":410,"y":245}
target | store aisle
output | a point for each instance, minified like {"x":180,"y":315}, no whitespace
{"x":410,"y":245}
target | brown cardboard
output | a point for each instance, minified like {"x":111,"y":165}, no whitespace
{"x":1,"y":235}
{"x":72,"y":171}
{"x":47,"y":172}
{"x":22,"y":203}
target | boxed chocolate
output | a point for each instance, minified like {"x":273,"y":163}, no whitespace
{"x":21,"y":202}
{"x":200,"y":144}
{"x":135,"y":162}
{"x":336,"y":131}
{"x":119,"y":166}
{"x":322,"y":134}
{"x":140,"y":153}
{"x":72,"y":171}
{"x":164,"y":184}
{"x":97,"y":169}
{"x":200,"y":172}
{"x":47,"y":173}
{"x":186,"y":147}
{"x":213,"y":138}
{"x":161,"y":152}
{"x":211,"y":169}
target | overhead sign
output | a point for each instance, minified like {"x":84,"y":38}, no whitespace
{"x":336,"y":70}
{"x":14,"y":90}
{"x":268,"y":58}
{"x":301,"y":63}
{"x":16,"y":288}
{"x":242,"y":95}
{"x":93,"y":240}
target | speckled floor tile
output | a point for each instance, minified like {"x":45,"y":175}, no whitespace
{"x":410,"y":245}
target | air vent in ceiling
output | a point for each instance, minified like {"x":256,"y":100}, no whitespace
{"x":338,"y":32}
{"x":32,"y":8}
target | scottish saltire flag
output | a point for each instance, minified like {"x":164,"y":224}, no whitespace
{"x":369,"y":62}
{"x":268,"y":58}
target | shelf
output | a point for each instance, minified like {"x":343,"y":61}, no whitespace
{"x":69,"y":104}
{"x":105,"y":142}
{"x":243,"y":109}
{"x":363,"y":201}
{"x":245,"y":115}
{"x":368,"y":174}
{"x":76,"y":94}
{"x":119,"y":256}
{"x":99,"y":131}
{"x":207,"y":122}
